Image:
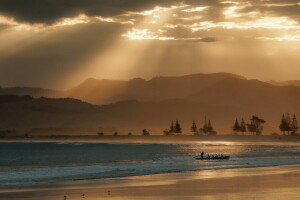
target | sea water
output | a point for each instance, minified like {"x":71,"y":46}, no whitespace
{"x":24,"y":163}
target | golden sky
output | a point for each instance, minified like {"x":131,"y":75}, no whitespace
{"x":60,"y":43}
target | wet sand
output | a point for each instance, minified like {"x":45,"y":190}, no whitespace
{"x":279,"y":182}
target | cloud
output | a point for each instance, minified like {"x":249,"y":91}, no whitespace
{"x":44,"y":41}
{"x":50,"y":11}
{"x":208,"y":39}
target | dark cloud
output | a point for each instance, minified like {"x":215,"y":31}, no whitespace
{"x":49,"y":11}
{"x":208,"y":39}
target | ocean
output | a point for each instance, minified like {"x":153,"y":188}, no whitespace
{"x":25,"y":163}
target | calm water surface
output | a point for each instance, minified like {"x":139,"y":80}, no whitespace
{"x":33,"y":163}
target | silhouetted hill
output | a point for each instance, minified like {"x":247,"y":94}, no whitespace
{"x":25,"y":112}
{"x":136,"y":104}
{"x":160,"y":88}
{"x":34,"y":92}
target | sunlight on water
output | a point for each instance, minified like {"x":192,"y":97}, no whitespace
{"x":60,"y":162}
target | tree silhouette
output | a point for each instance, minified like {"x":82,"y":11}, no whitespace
{"x":288,"y":122}
{"x":100,"y":134}
{"x":255,"y":125}
{"x":204,"y":128}
{"x":207,"y":128}
{"x":294,"y":127}
{"x":145,"y":132}
{"x":194,"y":128}
{"x":283,"y":125}
{"x":178,"y":128}
{"x":288,"y":125}
{"x":243,"y":126}
{"x":172,"y":128}
{"x":236,"y":127}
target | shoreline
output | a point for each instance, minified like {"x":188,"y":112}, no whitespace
{"x":239,"y":183}
{"x":155,"y":138}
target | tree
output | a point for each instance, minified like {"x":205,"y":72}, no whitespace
{"x":236,"y":127}
{"x":288,"y":123}
{"x":209,"y":129}
{"x":178,"y":128}
{"x":294,"y":126}
{"x":145,"y":132}
{"x":172,"y":128}
{"x":283,"y":125}
{"x":203,"y":130}
{"x":243,"y":126}
{"x":116,"y":133}
{"x":194,"y":128}
{"x":255,"y":125}
{"x":100,"y":134}
{"x":129,"y":134}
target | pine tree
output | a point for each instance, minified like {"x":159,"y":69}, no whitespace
{"x":294,"y":125}
{"x":236,"y":127}
{"x":283,"y":124}
{"x":243,"y":126}
{"x":194,"y":128}
{"x":288,"y":123}
{"x":209,"y":127}
{"x":178,"y":128}
{"x":172,"y":128}
{"x":205,"y":126}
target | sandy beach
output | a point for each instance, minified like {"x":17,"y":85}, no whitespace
{"x":278,"y":182}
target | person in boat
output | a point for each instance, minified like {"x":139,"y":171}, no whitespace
{"x":221,"y":156}
{"x":208,"y":156}
{"x":212,"y":156}
{"x":202,"y":154}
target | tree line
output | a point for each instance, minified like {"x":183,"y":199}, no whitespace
{"x":255,"y":126}
{"x":206,"y":129}
{"x":288,"y":125}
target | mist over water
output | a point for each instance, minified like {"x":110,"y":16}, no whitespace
{"x":33,"y":163}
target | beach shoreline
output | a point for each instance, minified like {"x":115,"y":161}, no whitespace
{"x":155,"y":139}
{"x":277,"y":182}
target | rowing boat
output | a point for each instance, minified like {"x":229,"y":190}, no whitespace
{"x":219,"y":158}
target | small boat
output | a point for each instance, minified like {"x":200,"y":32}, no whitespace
{"x":219,"y":158}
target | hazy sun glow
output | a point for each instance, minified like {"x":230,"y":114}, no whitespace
{"x":167,"y":37}
{"x":145,"y":34}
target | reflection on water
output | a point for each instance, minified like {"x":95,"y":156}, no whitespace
{"x":60,"y":162}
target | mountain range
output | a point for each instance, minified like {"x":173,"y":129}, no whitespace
{"x":129,"y":106}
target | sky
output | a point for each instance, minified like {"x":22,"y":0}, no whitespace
{"x":60,"y":43}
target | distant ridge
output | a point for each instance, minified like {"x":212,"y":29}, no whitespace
{"x":285,"y":83}
{"x":137,"y":103}
{"x":158,"y":88}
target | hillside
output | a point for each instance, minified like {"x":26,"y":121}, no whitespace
{"x":34,"y":92}
{"x":136,"y":104}
{"x":160,"y":88}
